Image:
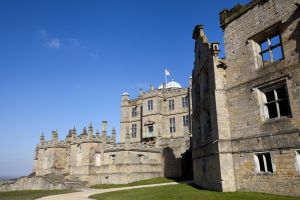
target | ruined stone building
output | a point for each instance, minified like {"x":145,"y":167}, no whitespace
{"x":154,"y":142}
{"x":246,"y":106}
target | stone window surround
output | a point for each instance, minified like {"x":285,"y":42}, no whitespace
{"x":185,"y":120}
{"x":172,"y":125}
{"x":150,"y":105}
{"x":297,"y":161}
{"x":258,"y":38}
{"x":133,"y":130}
{"x":259,"y":89}
{"x":134,"y":112}
{"x":258,"y":169}
{"x":171,"y":104}
{"x":185,"y":101}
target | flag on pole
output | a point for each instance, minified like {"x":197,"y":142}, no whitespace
{"x":167,"y":72}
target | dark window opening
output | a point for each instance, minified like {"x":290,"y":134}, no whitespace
{"x":277,"y":102}
{"x":264,"y":162}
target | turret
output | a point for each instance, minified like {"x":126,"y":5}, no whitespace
{"x":91,"y":131}
{"x":113,"y":135}
{"x":42,"y":139}
{"x":54,"y":137}
{"x":125,"y":98}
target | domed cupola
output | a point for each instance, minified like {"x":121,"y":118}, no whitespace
{"x":171,"y":84}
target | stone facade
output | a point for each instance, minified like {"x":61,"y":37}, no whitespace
{"x":162,"y":117}
{"x":97,"y":158}
{"x":246,"y":107}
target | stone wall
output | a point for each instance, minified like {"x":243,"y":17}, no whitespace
{"x":252,"y":132}
{"x":32,"y":183}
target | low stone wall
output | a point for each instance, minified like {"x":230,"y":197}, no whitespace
{"x":32,"y":183}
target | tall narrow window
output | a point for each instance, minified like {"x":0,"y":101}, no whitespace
{"x":171,"y":104}
{"x":133,"y":130}
{"x":263,"y":162}
{"x":172,"y":125}
{"x":185,"y":120}
{"x":276,"y":101}
{"x":271,"y":49}
{"x":185,"y":102}
{"x":150,"y":104}
{"x":134,"y":112}
{"x":298,"y":161}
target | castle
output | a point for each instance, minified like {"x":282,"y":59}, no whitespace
{"x":246,"y":106}
{"x":155,"y":138}
{"x":241,"y":113}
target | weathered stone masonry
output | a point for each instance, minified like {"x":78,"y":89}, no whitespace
{"x":255,"y":101}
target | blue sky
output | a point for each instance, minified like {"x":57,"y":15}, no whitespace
{"x":66,"y":63}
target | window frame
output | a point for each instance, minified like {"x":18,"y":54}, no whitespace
{"x":297,"y":161}
{"x":150,"y":105}
{"x":185,"y":102}
{"x":172,"y":123}
{"x":273,"y":87}
{"x":268,"y":167}
{"x":186,"y":120}
{"x":171,"y":104}
{"x":133,"y":130}
{"x":270,"y":48}
{"x":134,"y":112}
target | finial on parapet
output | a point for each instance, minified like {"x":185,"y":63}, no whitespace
{"x":55,"y":137}
{"x":97,"y":133}
{"x":198,"y":33}
{"x":74,"y":134}
{"x":42,"y":139}
{"x":91,"y":131}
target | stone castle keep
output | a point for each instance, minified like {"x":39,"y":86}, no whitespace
{"x":236,"y":127}
{"x":155,"y":138}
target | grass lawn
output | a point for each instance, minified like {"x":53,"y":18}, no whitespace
{"x":30,"y":194}
{"x":184,"y":192}
{"x":144,"y":182}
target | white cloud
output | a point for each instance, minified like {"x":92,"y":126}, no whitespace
{"x":54,"y":43}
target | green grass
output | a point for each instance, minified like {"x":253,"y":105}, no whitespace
{"x":184,"y":192}
{"x":136,"y":183}
{"x":30,"y":194}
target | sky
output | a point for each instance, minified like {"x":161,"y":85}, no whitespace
{"x":65,"y":63}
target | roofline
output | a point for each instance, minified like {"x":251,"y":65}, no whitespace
{"x":227,"y":16}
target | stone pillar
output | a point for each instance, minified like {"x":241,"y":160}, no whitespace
{"x":104,"y":131}
{"x":113,"y":135}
